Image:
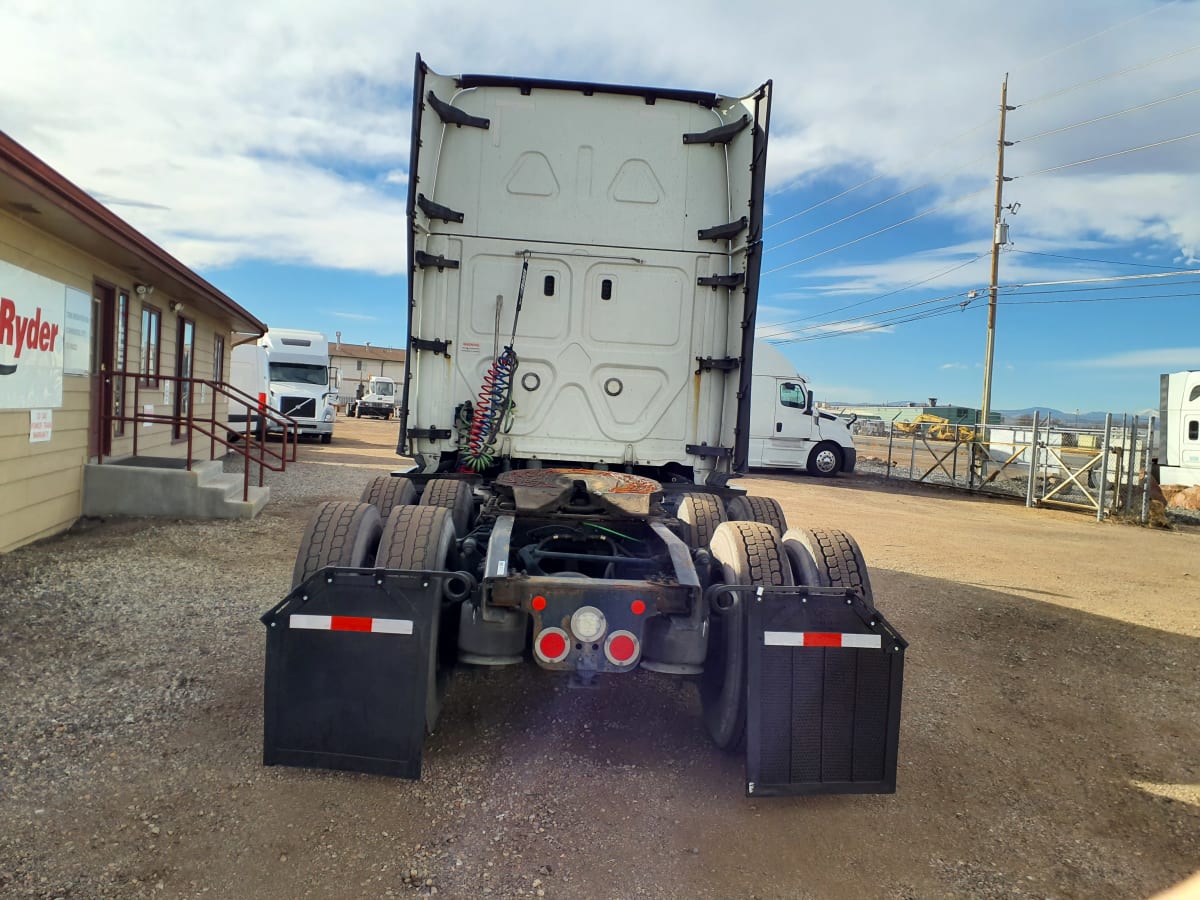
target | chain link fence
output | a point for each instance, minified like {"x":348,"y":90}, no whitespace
{"x":1100,"y":471}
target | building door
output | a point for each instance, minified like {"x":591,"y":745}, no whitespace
{"x":100,"y":404}
{"x":185,"y":352}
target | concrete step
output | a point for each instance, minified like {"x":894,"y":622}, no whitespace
{"x":224,"y":496}
{"x":144,"y":486}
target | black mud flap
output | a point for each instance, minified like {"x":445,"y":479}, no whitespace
{"x":348,"y":671}
{"x":824,"y":678}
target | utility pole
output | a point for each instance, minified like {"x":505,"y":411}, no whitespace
{"x":997,"y":242}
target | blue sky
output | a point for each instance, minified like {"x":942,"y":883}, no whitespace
{"x":268,"y":149}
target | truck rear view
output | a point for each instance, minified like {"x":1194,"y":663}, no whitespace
{"x":584,"y":265}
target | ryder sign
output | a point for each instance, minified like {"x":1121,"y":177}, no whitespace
{"x":31,"y":339}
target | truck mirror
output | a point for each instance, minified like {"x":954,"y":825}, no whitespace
{"x":812,"y":409}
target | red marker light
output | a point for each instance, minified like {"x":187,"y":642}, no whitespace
{"x":539,"y":603}
{"x":638,"y":607}
{"x":622,"y":648}
{"x":551,"y":645}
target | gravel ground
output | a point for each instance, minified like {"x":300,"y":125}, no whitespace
{"x":1048,"y":748}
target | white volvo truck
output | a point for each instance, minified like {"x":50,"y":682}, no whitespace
{"x":583,"y":277}
{"x":303,"y":384}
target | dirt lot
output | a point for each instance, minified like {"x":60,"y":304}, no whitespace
{"x":1049,"y":744}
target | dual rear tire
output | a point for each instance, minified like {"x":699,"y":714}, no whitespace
{"x":754,"y":554}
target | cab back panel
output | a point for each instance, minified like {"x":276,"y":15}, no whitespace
{"x":607,"y":199}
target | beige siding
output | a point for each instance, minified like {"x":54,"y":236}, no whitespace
{"x":41,"y":485}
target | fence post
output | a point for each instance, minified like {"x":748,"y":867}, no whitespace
{"x":1131,"y":466}
{"x":891,"y":435}
{"x":1145,"y":517}
{"x":1033,"y":461}
{"x":1104,"y":450}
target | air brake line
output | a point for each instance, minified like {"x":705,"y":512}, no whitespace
{"x":495,"y":396}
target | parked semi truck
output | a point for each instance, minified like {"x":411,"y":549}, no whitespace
{"x":583,"y":280}
{"x":1179,"y":428}
{"x":787,"y":428}
{"x":303,"y":385}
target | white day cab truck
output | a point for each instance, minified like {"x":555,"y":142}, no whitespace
{"x":303,"y":385}
{"x":787,"y":429}
{"x":378,"y":399}
{"x":583,"y":276}
{"x":1179,"y":428}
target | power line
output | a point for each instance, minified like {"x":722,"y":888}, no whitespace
{"x":1117,"y":74}
{"x":866,"y":209}
{"x":876,"y":326}
{"x":948,"y":297}
{"x":856,"y":240}
{"x":1042,"y":134}
{"x":1144,"y":277}
{"x":880,"y":312}
{"x":1110,"y":262}
{"x":1103,"y":31}
{"x":1097,"y":299}
{"x":898,"y":290}
{"x":874,"y":178}
{"x":1092,"y":159}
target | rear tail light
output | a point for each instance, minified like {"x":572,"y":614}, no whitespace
{"x":552,"y":645}
{"x":262,"y":401}
{"x":622,"y":648}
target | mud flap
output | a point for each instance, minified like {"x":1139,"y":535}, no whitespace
{"x":348,"y":669}
{"x":824,"y":678}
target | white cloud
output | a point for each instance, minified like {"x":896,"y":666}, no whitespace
{"x":952,"y":366}
{"x":358,"y":317}
{"x":1167,"y":359}
{"x":280,"y":131}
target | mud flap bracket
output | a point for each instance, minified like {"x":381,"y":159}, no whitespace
{"x":348,"y":669}
{"x":824,"y":680}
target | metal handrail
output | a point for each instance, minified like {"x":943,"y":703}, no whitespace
{"x":249,"y":448}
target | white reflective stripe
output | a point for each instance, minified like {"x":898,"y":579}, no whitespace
{"x":865,"y":641}
{"x":777,"y":638}
{"x":351,"y":623}
{"x":822,"y":639}
{"x":392,"y":626}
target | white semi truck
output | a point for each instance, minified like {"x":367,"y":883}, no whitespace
{"x":787,"y":429}
{"x":303,"y":385}
{"x":583,"y":282}
{"x":1179,"y":428}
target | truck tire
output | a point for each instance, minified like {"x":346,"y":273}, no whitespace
{"x":757,"y":509}
{"x":422,"y":538}
{"x":749,"y":553}
{"x":341,"y":533}
{"x":386,"y":492}
{"x":825,"y":461}
{"x":454,"y":495}
{"x":828,"y":557}
{"x":327,"y":439}
{"x":700,"y":514}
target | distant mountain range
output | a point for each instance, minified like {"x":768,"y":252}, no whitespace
{"x":1069,"y":417}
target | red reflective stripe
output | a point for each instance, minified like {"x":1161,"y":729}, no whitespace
{"x":822,"y":639}
{"x":349,"y":623}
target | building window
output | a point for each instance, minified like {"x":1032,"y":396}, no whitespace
{"x":218,"y":358}
{"x":151,"y":331}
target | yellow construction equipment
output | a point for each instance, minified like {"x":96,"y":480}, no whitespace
{"x":940,"y":428}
